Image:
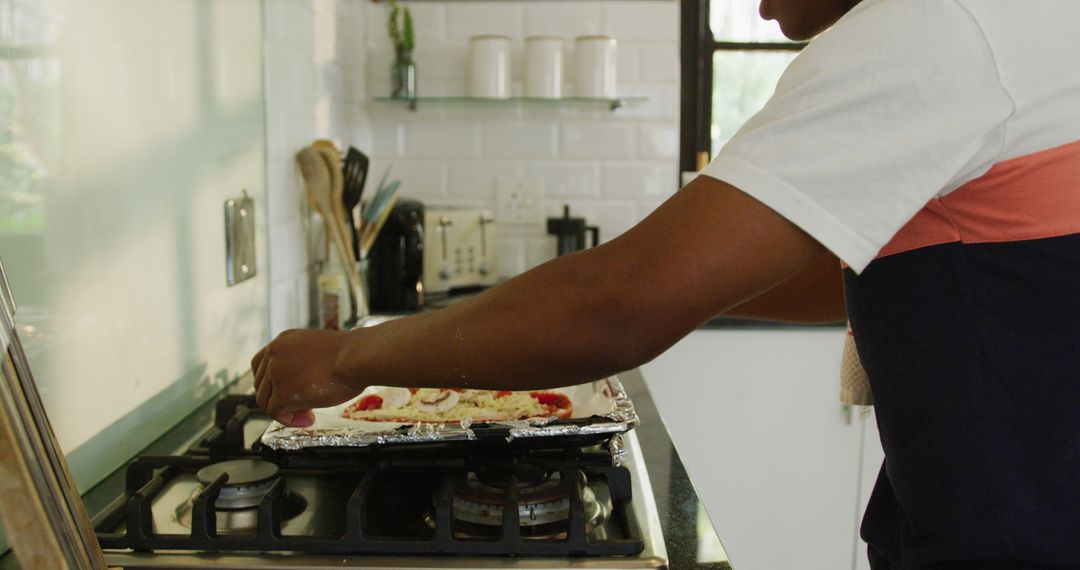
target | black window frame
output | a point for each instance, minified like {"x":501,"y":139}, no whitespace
{"x":698,"y":46}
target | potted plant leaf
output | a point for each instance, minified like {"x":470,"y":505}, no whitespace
{"x":403,"y":72}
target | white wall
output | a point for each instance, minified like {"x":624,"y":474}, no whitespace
{"x":613,"y":168}
{"x":315,"y":88}
{"x":138,"y":120}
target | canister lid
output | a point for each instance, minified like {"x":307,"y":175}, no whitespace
{"x":489,"y":37}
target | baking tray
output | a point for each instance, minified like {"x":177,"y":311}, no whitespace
{"x":601,"y":409}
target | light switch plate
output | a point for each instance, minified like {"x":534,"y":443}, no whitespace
{"x":519,"y":200}
{"x":239,"y":239}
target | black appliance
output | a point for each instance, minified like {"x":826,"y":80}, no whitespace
{"x":570,"y":232}
{"x":395,"y":269}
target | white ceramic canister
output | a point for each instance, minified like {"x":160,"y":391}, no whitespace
{"x":595,"y":66}
{"x":543,"y":67}
{"x":489,"y":66}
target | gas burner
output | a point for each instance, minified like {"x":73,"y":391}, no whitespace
{"x":238,"y":500}
{"x":543,"y":502}
{"x":249,"y":481}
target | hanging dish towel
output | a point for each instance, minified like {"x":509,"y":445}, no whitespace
{"x":854,"y":384}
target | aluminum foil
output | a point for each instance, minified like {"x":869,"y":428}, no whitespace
{"x":617,"y":447}
{"x":600,"y":407}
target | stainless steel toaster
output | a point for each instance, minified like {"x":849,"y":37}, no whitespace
{"x":459,"y":248}
{"x":430,"y":250}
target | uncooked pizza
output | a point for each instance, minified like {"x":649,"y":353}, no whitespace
{"x":386,"y":404}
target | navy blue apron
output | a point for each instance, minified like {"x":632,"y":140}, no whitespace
{"x":973,"y":355}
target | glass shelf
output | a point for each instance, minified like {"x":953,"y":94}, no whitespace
{"x":612,"y":104}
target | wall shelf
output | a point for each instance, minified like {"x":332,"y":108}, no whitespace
{"x":611,"y":104}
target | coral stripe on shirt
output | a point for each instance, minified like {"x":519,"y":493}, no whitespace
{"x":1029,"y":197}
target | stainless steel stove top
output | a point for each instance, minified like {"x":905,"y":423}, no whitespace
{"x":170,"y":516}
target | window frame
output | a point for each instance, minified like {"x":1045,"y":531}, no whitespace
{"x":698,"y":46}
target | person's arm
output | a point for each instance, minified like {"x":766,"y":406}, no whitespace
{"x":816,"y":295}
{"x":574,"y":319}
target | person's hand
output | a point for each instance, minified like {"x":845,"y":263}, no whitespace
{"x":297,"y":372}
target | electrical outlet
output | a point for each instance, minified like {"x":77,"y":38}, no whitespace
{"x":519,"y":200}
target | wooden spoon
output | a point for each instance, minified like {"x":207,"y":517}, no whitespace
{"x":332,"y":158}
{"x":318,"y":184}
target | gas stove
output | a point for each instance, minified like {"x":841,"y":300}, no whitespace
{"x":228,"y":501}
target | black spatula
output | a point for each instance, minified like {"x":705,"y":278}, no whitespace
{"x":355,"y":169}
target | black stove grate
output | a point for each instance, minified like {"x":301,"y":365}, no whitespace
{"x":361,"y":535}
{"x":371,"y":474}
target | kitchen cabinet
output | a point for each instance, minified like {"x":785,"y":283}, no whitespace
{"x":777,"y":460}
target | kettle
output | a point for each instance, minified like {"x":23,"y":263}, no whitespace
{"x":396,"y":261}
{"x":570,"y":232}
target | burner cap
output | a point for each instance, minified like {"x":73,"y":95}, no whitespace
{"x":242,"y":472}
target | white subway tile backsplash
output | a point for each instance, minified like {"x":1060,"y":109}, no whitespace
{"x":307,"y":78}
{"x":288,"y":255}
{"x":639,"y":180}
{"x":660,"y":61}
{"x":638,"y":20}
{"x":524,"y":140}
{"x":387,"y":140}
{"x":481,"y":111}
{"x":420,"y":179}
{"x":181,"y":17}
{"x":441,"y":61}
{"x":566,"y":19}
{"x":476,"y":178}
{"x":284,"y":190}
{"x":304,"y":292}
{"x":627,"y":62}
{"x":284,"y":307}
{"x":659,"y":140}
{"x":280,"y":74}
{"x":539,"y":250}
{"x":596,"y":140}
{"x":566,"y":179}
{"x":298,"y":28}
{"x":647,"y":206}
{"x":512,"y":256}
{"x":442,"y":140}
{"x":230,"y":20}
{"x":615,"y":217}
{"x":464,"y":19}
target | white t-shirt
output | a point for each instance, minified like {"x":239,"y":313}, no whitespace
{"x":902,"y":101}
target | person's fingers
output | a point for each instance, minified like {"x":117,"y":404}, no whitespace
{"x":256,"y":362}
{"x":260,"y":372}
{"x":303,"y":418}
{"x":279,"y":409}
{"x":299,"y":418}
{"x":262,"y":398}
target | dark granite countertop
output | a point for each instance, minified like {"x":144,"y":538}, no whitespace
{"x":723,"y":322}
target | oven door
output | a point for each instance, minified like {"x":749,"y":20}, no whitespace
{"x":40,"y":507}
